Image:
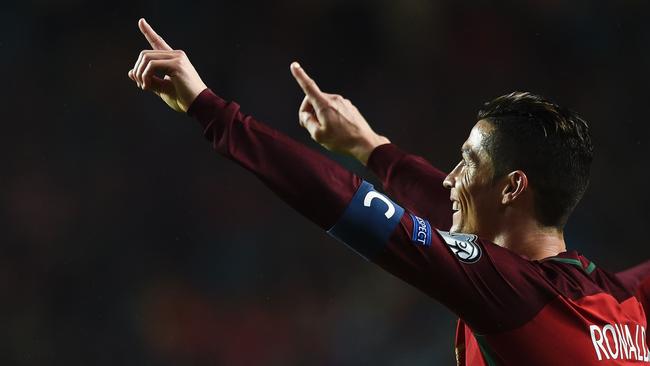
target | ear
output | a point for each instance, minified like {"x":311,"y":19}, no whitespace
{"x":516,"y":185}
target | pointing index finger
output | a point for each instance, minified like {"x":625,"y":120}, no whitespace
{"x":307,"y":84}
{"x":156,"y":41}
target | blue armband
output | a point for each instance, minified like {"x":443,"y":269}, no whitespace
{"x":368,"y":221}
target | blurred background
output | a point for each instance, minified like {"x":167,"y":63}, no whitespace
{"x":126,"y":241}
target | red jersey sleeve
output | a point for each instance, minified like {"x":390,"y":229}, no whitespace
{"x":633,"y":277}
{"x":477,"y":280}
{"x":315,"y":186}
{"x":637,"y":281}
{"x":418,"y":185}
{"x":413,"y":182}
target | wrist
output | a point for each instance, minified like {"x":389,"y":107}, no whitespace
{"x":366,"y":148}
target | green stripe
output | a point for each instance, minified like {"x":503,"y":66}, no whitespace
{"x":572,"y":261}
{"x":485,"y":350}
{"x":590,"y":267}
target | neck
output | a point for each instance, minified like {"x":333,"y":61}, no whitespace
{"x":532,"y":241}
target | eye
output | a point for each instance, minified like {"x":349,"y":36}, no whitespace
{"x":467,"y":167}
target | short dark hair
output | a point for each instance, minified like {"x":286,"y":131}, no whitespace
{"x":549,"y":143}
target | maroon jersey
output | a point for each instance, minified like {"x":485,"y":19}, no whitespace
{"x":560,"y":311}
{"x":416,"y":183}
{"x":637,"y":279}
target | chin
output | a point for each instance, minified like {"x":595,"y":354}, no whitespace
{"x":460,"y":228}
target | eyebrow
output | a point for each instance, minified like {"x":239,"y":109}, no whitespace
{"x":466,"y":151}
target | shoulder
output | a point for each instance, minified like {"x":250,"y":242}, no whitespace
{"x":573,"y":276}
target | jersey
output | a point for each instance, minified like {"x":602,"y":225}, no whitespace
{"x":416,"y":182}
{"x":637,"y":280}
{"x":515,"y":310}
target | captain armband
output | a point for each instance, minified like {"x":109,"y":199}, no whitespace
{"x":368,"y":221}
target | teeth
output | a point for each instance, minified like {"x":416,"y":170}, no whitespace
{"x":455,"y":206}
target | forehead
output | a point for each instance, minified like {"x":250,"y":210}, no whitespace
{"x":475,"y":143}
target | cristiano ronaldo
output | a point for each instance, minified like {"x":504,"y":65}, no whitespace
{"x":485,"y":240}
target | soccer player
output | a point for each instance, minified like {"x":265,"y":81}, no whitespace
{"x":412,"y":180}
{"x":502,"y":268}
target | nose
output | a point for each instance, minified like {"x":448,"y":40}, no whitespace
{"x":450,"y":179}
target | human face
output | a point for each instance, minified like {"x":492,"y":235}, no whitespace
{"x":474,"y":194}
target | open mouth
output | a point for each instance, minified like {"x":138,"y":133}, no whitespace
{"x":455,"y":206}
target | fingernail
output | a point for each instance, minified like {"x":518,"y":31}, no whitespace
{"x":296,"y":65}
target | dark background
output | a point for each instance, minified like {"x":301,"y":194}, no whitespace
{"x":127,"y":241}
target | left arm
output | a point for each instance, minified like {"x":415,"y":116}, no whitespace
{"x":458,"y":270}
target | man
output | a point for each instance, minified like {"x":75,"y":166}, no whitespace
{"x":502,"y":268}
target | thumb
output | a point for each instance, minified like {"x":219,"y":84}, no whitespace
{"x":309,"y":121}
{"x":160,"y":85}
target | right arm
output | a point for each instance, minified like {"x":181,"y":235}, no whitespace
{"x":413,"y":181}
{"x":633,"y":277}
{"x":637,"y":281}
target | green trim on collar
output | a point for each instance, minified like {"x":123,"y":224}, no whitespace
{"x":575,"y":262}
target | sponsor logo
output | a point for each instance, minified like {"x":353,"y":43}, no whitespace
{"x":421,"y":231}
{"x":464,"y":246}
{"x":620,"y":342}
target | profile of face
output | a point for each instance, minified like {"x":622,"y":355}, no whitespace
{"x":476,"y":197}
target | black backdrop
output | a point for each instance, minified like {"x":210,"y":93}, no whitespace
{"x":126,"y":240}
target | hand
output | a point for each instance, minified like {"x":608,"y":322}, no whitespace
{"x":180,"y":83}
{"x":333,"y":121}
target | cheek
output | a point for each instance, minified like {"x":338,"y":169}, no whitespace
{"x":466,"y":189}
{"x":474,"y":194}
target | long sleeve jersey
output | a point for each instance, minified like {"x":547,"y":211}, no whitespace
{"x":559,"y":311}
{"x":416,"y":183}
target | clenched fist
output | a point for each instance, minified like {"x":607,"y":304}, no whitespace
{"x":166,"y":72}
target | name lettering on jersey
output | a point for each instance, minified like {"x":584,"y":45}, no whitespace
{"x":620,"y":342}
{"x":421,"y":231}
{"x":464,"y":246}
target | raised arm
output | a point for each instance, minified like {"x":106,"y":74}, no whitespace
{"x":410,"y":179}
{"x":315,"y":186}
{"x":414,"y":182}
{"x":456,"y":269}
